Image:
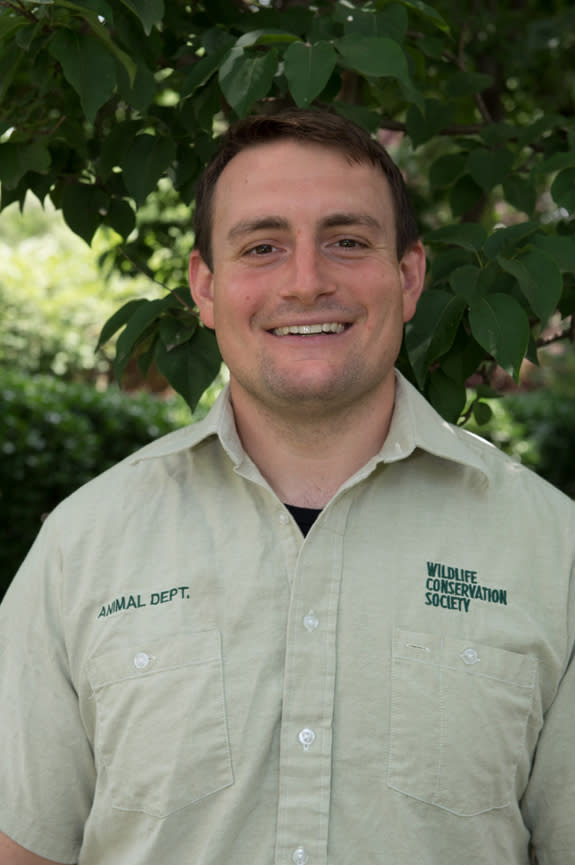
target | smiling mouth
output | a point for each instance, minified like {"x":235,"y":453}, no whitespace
{"x":310,"y":329}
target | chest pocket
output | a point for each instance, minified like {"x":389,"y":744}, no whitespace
{"x":161,"y":730}
{"x":458,"y":718}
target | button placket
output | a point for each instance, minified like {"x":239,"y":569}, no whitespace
{"x":309,"y":690}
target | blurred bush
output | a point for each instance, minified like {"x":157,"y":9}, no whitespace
{"x":55,"y":436}
{"x":54,"y":298}
{"x":537,"y":426}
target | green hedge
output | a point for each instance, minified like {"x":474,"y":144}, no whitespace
{"x":54,"y":437}
{"x":537,"y":426}
{"x":538,"y":429}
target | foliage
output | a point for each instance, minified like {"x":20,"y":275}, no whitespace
{"x":111,"y":109}
{"x":538,"y":428}
{"x":55,"y":436}
{"x":53,"y":297}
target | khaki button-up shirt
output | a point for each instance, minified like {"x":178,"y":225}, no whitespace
{"x":185,"y":679}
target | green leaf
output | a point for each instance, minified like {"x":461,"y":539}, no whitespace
{"x":535,"y":130}
{"x":392,"y":21}
{"x":87,"y":66}
{"x":201,"y":72}
{"x":138,"y":323}
{"x":82,"y":207}
{"x":11,"y":57}
{"x":557,"y":162}
{"x":139,"y":92}
{"x":464,"y":357}
{"x":432,"y":46}
{"x":145,"y":162}
{"x":118,"y":320}
{"x":423,"y":124}
{"x":482,"y":412}
{"x":190,"y":368}
{"x":10,"y":23}
{"x":563,"y":189}
{"x":464,"y":280}
{"x":18,"y":158}
{"x":505,"y":240}
{"x":245,"y":78}
{"x":520,"y":192}
{"x":377,"y":57}
{"x":115,"y":146}
{"x":446,"y":328}
{"x":446,"y":170}
{"x":489,"y":168}
{"x":560,"y":249}
{"x":174,"y":331}
{"x":500,"y":325}
{"x":428,"y":12}
{"x":150,"y":12}
{"x":497,"y":134}
{"x":464,"y":195}
{"x":447,"y":396}
{"x":370,"y":120}
{"x":432,"y":330}
{"x":462,"y":84}
{"x":265,"y":37}
{"x":539,"y":279}
{"x":468,"y":235}
{"x":120,"y":217}
{"x":308,"y":69}
{"x":91,"y":12}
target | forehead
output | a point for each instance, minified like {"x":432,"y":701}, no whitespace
{"x":295,"y":180}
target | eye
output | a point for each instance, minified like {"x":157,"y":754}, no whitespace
{"x":261,"y":249}
{"x":350,"y":243}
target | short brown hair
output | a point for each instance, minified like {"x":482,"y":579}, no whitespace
{"x":308,"y":126}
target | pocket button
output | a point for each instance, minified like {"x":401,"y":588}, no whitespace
{"x":141,"y":661}
{"x":470,"y":656}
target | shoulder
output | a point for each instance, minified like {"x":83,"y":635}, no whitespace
{"x":509,"y":480}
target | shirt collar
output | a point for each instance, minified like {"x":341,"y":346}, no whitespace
{"x":414,"y":424}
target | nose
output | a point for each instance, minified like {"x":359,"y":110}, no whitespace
{"x":309,"y":276}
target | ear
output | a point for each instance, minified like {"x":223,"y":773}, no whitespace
{"x":201,"y":286}
{"x":412,"y":270}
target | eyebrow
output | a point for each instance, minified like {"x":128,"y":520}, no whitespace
{"x":334,"y":220}
{"x":264,"y":223}
{"x":275,"y":223}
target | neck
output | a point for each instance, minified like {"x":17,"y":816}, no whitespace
{"x":306,"y":457}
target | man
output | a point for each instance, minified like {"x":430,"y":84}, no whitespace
{"x":187,"y":678}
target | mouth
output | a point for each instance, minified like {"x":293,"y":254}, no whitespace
{"x":310,"y":329}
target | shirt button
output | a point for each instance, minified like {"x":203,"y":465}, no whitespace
{"x":311,"y":621}
{"x":284,"y":519}
{"x":141,"y":661}
{"x":306,"y":737}
{"x":299,"y":856}
{"x":469,"y":656}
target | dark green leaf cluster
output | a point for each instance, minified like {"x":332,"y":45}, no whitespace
{"x":166,"y":331}
{"x":488,"y":298}
{"x":55,"y":437}
{"x":113,"y":107}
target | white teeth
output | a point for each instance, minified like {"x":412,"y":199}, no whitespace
{"x":306,"y":329}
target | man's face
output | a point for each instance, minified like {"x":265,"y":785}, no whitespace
{"x":307,"y":296}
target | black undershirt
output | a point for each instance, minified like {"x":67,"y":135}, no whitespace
{"x":304,"y":517}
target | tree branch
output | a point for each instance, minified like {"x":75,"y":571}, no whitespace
{"x":566,"y":333}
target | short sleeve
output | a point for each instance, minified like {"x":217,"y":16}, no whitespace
{"x":48,"y":776}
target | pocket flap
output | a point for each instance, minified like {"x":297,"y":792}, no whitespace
{"x":149,"y":656}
